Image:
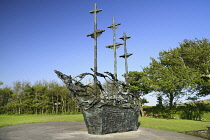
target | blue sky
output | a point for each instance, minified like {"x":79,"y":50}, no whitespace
{"x":38,"y":36}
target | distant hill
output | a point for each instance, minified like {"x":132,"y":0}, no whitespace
{"x":207,"y":101}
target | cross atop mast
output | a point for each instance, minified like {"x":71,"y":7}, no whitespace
{"x":125,"y":55}
{"x":115,"y":45}
{"x":95,"y":35}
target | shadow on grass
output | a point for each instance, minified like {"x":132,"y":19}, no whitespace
{"x":139,"y":123}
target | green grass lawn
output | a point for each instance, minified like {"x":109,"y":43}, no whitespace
{"x":174,"y":125}
{"x":7,"y":120}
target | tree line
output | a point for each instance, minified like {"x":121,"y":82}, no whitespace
{"x":40,"y":98}
{"x":192,"y":110}
{"x":180,"y":72}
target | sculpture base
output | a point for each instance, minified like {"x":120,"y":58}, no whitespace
{"x":110,"y":119}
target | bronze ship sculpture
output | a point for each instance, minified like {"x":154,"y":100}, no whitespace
{"x":105,"y":111}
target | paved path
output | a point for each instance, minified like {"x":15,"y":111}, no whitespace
{"x":78,"y":131}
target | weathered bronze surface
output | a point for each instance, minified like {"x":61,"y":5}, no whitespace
{"x":95,"y":35}
{"x":125,"y":56}
{"x":104,"y":114}
{"x":112,"y":111}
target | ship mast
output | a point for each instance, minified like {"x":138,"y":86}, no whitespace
{"x":95,"y":35}
{"x":125,"y":56}
{"x":114,"y":46}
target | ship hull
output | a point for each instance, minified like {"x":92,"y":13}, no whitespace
{"x":110,"y":119}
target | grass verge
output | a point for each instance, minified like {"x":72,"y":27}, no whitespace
{"x":8,"y":120}
{"x":174,"y":125}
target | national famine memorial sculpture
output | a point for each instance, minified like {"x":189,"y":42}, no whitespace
{"x":111,"y":111}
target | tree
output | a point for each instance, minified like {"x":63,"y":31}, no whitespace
{"x":27,"y":98}
{"x":142,"y":102}
{"x":17,"y":96}
{"x":139,"y":86}
{"x":40,"y":97}
{"x":160,"y":103}
{"x":196,"y":55}
{"x":170,"y":80}
{"x":5,"y":95}
{"x":180,"y":70}
{"x":1,"y":83}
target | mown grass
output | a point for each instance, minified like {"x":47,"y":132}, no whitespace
{"x":206,"y":116}
{"x":8,"y":120}
{"x":174,"y":125}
